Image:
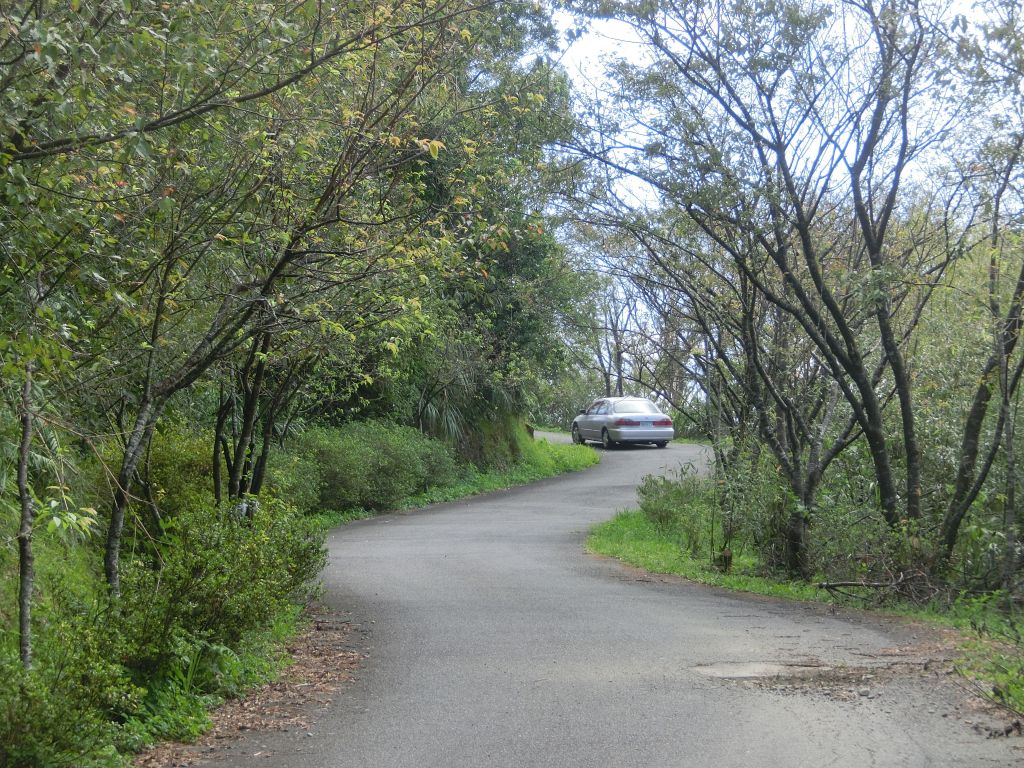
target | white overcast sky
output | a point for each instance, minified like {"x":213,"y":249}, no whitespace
{"x":604,"y":39}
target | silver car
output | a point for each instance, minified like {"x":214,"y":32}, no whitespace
{"x":614,"y":420}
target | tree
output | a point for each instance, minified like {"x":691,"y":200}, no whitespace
{"x":789,"y":134}
{"x":214,"y":202}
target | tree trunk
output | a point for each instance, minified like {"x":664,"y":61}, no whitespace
{"x":26,"y":560}
{"x":874,"y":433}
{"x":1010,"y":523}
{"x":279,"y":403}
{"x":903,"y":388}
{"x":223,"y":409}
{"x":259,"y":469}
{"x":241,"y":463}
{"x":969,"y":447}
{"x":1010,"y":519}
{"x":796,"y":543}
{"x":142,"y":431}
{"x":251,"y":392}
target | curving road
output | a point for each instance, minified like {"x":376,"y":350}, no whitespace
{"x":495,"y":641}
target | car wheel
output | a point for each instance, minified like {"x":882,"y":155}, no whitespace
{"x":606,"y":441}
{"x":576,"y":436}
{"x":661,"y":443}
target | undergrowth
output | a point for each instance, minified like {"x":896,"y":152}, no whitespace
{"x":633,"y":538}
{"x":538,"y":459}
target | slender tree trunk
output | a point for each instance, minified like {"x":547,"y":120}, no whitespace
{"x":1010,"y":522}
{"x":618,"y":373}
{"x":278,"y":403}
{"x":242,"y":460}
{"x":903,"y":389}
{"x":874,"y":433}
{"x":223,"y":409}
{"x":259,"y":469}
{"x":969,"y":447}
{"x":135,"y":446}
{"x":26,"y":560}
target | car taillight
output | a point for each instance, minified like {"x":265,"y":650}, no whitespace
{"x":663,"y":423}
{"x":627,"y":423}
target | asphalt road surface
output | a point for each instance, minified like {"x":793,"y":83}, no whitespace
{"x":494,"y":640}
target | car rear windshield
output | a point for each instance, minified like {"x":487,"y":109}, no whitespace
{"x":636,"y":406}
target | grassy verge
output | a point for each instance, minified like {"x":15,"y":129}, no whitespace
{"x":538,"y":459}
{"x":178,"y":709}
{"x":559,"y":429}
{"x":634,"y":539}
{"x":992,"y":655}
{"x":992,"y":645}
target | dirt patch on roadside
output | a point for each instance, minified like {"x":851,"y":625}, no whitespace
{"x":922,"y":672}
{"x":323,"y":658}
{"x":933,"y":657}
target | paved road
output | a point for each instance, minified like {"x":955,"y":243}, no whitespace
{"x":495,"y":641}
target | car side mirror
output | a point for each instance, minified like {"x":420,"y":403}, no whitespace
{"x":581,"y":412}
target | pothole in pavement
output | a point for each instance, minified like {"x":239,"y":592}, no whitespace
{"x":747,"y":670}
{"x":810,"y":676}
{"x":871,"y":685}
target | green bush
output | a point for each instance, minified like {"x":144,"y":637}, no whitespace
{"x":377,"y":465}
{"x":994,"y":657}
{"x":202,"y":625}
{"x":175,"y":473}
{"x":683,"y":507}
{"x":66,"y":709}
{"x":207,"y":593}
{"x":178,"y":467}
{"x":295,"y":475}
{"x":371,"y":464}
{"x":220,"y":576}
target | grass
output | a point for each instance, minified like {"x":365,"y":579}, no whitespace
{"x":331,"y":518}
{"x":992,"y":656}
{"x":634,"y":539}
{"x":560,"y":429}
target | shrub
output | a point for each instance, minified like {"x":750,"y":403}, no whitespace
{"x":175,"y":472}
{"x":683,"y":506}
{"x":370,"y":464}
{"x":295,"y":476}
{"x":203,"y":590}
{"x":64,"y":711}
{"x":178,"y":467}
{"x":220,"y":576}
{"x":995,"y":657}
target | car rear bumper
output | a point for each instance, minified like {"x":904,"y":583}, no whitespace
{"x":641,"y":434}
